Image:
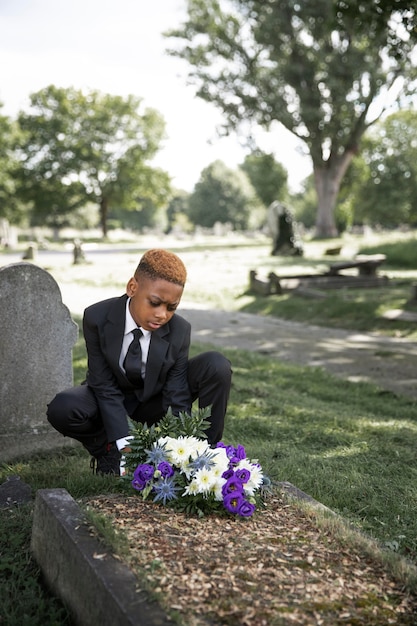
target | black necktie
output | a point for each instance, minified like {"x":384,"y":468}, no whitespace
{"x":133,"y":360}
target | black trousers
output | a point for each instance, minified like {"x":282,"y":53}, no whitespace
{"x":74,"y":412}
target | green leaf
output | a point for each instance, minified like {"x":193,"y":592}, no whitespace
{"x":144,"y":436}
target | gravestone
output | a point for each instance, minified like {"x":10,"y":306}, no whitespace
{"x":284,"y":231}
{"x":78,"y":252}
{"x":14,"y":492}
{"x":37,"y":337}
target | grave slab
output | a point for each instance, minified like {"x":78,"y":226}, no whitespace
{"x":97,"y":588}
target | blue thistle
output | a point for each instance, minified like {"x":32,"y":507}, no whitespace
{"x":156,"y":455}
{"x":165,"y":489}
{"x":203,"y":461}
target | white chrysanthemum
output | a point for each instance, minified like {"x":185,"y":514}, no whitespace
{"x":221,"y":461}
{"x":194,"y":445}
{"x":164,"y":441}
{"x":191,"y":489}
{"x":217,"y":489}
{"x":201,"y":447}
{"x":204,"y":479}
{"x":179,"y":450}
{"x":256,"y":476}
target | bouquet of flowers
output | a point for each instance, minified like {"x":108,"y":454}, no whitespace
{"x":174,"y":464}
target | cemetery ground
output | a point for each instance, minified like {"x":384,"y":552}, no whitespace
{"x":350,"y":445}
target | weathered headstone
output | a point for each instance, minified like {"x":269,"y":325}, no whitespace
{"x":78,"y":252}
{"x":14,"y":492}
{"x":37,"y":337}
{"x":30,"y":252}
{"x":283,"y":229}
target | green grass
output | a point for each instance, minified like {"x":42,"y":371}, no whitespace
{"x":401,"y":253}
{"x":346,"y":308}
{"x":24,"y":600}
{"x":349,"y":445}
{"x":357,"y":309}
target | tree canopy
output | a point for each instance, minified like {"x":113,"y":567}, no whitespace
{"x":383,"y":182}
{"x":321,"y":71}
{"x":10,"y":207}
{"x":226,"y":196}
{"x":268,"y":177}
{"x":89,"y":147}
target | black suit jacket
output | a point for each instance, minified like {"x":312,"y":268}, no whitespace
{"x":166,"y":368}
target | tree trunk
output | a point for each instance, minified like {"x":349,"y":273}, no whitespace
{"x":104,"y":207}
{"x":327,"y":178}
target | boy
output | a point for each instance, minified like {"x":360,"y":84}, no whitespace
{"x":140,"y":373}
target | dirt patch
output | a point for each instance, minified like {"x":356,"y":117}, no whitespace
{"x":278,"y":567}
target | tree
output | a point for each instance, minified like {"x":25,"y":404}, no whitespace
{"x":11,"y":208}
{"x":90,"y":147}
{"x":382,"y":13}
{"x":268,"y":177}
{"x":304,"y":203}
{"x":385,"y":192}
{"x":321,"y":72}
{"x":177,"y":212}
{"x":226,"y":196}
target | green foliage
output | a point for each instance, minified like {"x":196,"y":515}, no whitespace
{"x":309,"y":66}
{"x":400,"y":254}
{"x":24,"y":600}
{"x":147,"y":215}
{"x":177,"y":213}
{"x":268,"y":177}
{"x":89,"y":147}
{"x":378,"y":17}
{"x":11,"y":206}
{"x":226,"y":196}
{"x":342,"y":308}
{"x":349,"y":445}
{"x":144,"y":436}
{"x":103,"y":526}
{"x":304,"y":203}
{"x":193,"y":425}
{"x":386,"y":192}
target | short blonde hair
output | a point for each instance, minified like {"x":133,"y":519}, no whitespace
{"x":159,"y":263}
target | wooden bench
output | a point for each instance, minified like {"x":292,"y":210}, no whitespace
{"x":366,"y":264}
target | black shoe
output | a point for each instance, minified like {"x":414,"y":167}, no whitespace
{"x":108,"y":463}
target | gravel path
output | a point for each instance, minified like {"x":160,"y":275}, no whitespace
{"x":389,"y":363}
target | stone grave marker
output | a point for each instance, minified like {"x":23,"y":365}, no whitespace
{"x":37,"y":337}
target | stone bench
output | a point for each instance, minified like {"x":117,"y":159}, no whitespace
{"x":334,"y":278}
{"x":367,"y":265}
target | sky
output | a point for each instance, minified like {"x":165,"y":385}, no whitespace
{"x":118,"y":48}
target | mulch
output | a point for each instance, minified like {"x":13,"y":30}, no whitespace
{"x":278,"y":567}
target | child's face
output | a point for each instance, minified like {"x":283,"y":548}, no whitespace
{"x":153,"y":302}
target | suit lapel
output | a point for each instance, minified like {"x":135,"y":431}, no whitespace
{"x":114,"y":332}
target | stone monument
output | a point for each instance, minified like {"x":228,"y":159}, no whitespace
{"x":284,"y":231}
{"x":37,"y":337}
